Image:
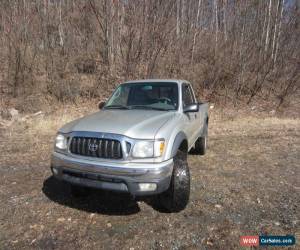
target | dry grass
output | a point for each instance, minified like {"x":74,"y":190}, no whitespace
{"x":248,"y":183}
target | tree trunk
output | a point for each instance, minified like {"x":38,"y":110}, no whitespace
{"x":197,"y":30}
{"x":268,"y":27}
{"x":275,"y":29}
{"x":60,"y":26}
{"x":177,"y":18}
{"x":279,"y":32}
{"x":224,"y":19}
{"x":216,"y":24}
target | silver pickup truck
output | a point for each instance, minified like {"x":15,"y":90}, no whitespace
{"x":138,"y":142}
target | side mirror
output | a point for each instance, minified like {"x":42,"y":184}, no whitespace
{"x":101,"y":105}
{"x":191,"y":108}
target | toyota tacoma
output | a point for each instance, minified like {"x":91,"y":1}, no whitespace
{"x":137,"y":142}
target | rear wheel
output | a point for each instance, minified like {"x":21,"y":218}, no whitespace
{"x":177,"y":196}
{"x":201,"y":143}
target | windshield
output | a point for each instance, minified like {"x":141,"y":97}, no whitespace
{"x":156,"y":96}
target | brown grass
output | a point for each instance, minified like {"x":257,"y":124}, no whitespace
{"x":247,"y":184}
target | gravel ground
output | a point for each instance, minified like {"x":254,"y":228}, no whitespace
{"x":248,"y":183}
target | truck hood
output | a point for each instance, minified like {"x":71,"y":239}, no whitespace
{"x":142,"y":124}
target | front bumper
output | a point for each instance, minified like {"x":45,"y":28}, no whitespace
{"x":116,"y":176}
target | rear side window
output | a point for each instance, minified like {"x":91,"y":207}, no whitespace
{"x":187,"y":96}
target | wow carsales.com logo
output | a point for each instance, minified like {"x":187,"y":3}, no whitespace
{"x":267,"y":240}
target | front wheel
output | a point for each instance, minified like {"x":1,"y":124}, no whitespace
{"x":177,"y":196}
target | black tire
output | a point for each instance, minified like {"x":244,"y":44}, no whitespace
{"x":78,"y":191}
{"x":201,"y":143}
{"x":177,"y":196}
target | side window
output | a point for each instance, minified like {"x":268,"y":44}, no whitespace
{"x":187,"y":96}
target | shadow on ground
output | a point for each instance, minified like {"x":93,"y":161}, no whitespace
{"x":96,"y":201}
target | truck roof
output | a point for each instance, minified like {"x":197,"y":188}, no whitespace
{"x":178,"y":81}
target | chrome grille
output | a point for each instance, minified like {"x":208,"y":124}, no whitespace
{"x":96,"y":147}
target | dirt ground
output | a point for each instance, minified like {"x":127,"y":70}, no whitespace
{"x":248,"y":183}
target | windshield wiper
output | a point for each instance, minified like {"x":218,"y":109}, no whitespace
{"x":149,"y":107}
{"x":116,"y":107}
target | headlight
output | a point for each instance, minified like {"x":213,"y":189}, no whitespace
{"x":61,"y":142}
{"x":147,"y":149}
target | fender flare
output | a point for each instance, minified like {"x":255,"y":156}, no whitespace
{"x":179,"y":138}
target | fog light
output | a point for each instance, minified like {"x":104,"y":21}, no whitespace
{"x":147,"y":186}
{"x":55,"y":171}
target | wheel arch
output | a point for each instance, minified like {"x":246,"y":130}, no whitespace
{"x":180,"y":142}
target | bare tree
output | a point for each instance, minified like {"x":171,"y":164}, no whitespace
{"x":240,"y":50}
